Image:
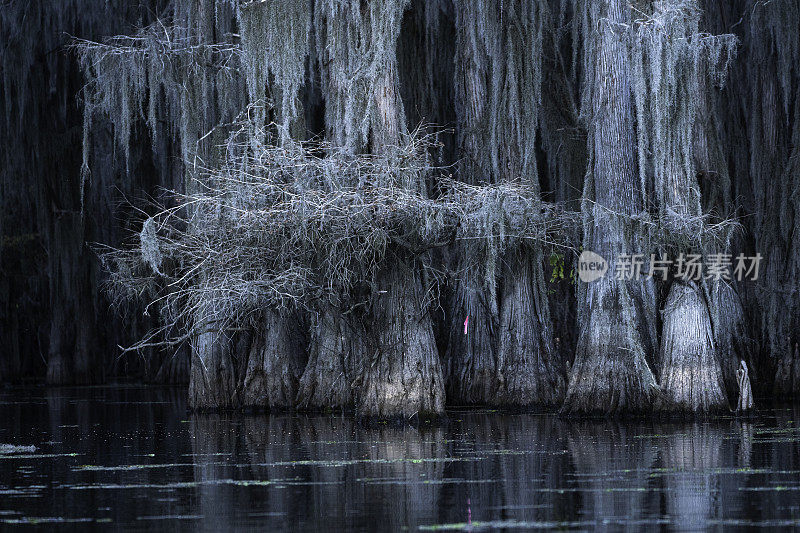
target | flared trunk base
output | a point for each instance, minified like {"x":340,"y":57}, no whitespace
{"x":335,"y":349}
{"x":402,"y":379}
{"x":691,"y":378}
{"x":212,"y":382}
{"x":532,"y":374}
{"x":274,"y":365}
{"x":610,"y":375}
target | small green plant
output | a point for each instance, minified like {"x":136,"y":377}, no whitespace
{"x":559,"y":271}
{"x":557,"y":266}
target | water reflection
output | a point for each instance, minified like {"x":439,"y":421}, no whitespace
{"x":133,"y":457}
{"x":612,"y":466}
{"x":689,"y":459}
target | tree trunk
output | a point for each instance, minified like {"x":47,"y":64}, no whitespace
{"x":472,"y":367}
{"x":72,"y":335}
{"x":471,"y":351}
{"x":87,"y":369}
{"x":528,"y":366}
{"x":174,"y":368}
{"x":530,"y":370}
{"x":787,"y":374}
{"x":336,"y":350}
{"x":729,"y":334}
{"x":62,"y":329}
{"x":402,"y":376}
{"x":780,"y":322}
{"x":212,"y":381}
{"x":274,"y":364}
{"x":59,"y":361}
{"x":610,"y":373}
{"x":691,"y":378}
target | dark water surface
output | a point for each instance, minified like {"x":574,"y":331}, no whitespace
{"x":131,"y":458}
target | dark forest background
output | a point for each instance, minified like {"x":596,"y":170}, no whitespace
{"x":550,"y":93}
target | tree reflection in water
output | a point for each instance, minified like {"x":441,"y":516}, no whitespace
{"x":133,"y":457}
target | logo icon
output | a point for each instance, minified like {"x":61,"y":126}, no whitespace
{"x":591,"y":266}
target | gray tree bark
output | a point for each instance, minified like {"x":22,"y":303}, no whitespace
{"x":690,"y":375}
{"x":274,"y":364}
{"x":531,"y":372}
{"x":471,"y":349}
{"x":402,"y":376}
{"x":611,"y":372}
{"x":787,"y":374}
{"x":729,"y":333}
{"x":471,"y":352}
{"x":212,"y":378}
{"x":690,"y":372}
{"x":336,"y":349}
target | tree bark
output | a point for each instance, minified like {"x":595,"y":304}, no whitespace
{"x":472,"y":365}
{"x":531,"y":372}
{"x":174,"y":368}
{"x":690,"y":372}
{"x":336,"y":349}
{"x":472,"y":350}
{"x":274,"y":364}
{"x":59,"y":362}
{"x":787,"y":374}
{"x":780,"y":320}
{"x":691,"y":378}
{"x":402,"y":376}
{"x":610,"y":374}
{"x":730,"y":337}
{"x":212,"y":380}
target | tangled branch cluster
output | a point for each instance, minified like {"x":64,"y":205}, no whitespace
{"x":281,"y":227}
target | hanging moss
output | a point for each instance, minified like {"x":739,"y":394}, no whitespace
{"x":356,"y":48}
{"x":671,"y":58}
{"x":283,"y":133}
{"x":275,"y":40}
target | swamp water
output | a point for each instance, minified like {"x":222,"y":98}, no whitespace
{"x":131,"y":458}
